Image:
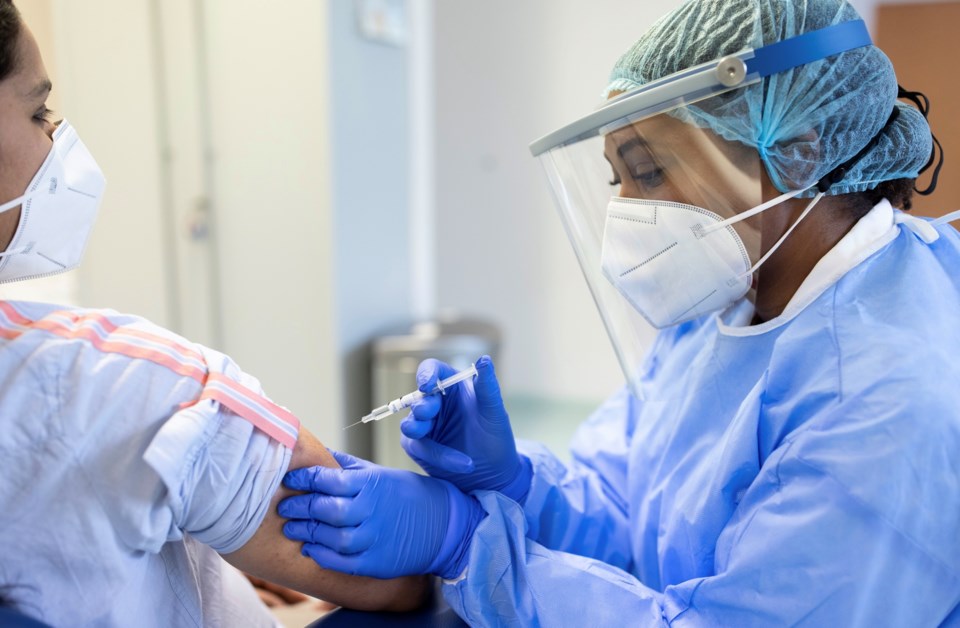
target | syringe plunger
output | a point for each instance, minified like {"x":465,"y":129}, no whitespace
{"x":411,"y":398}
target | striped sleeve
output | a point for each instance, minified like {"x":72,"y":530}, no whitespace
{"x":165,"y":437}
{"x":273,"y":420}
{"x":115,"y":334}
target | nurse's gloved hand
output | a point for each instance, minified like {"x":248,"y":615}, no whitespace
{"x":464,"y":436}
{"x":369,"y":520}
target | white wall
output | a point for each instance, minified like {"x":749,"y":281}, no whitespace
{"x":270,"y":130}
{"x":107,"y":89}
{"x":223,"y":100}
{"x":507,"y":73}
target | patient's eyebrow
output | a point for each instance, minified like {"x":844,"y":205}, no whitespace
{"x":42,"y":88}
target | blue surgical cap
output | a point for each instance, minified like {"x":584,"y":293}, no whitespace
{"x":804,"y":122}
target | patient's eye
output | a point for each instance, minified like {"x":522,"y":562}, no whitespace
{"x":43,"y":115}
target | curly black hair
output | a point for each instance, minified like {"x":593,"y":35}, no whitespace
{"x":10,"y":26}
{"x":898,"y":191}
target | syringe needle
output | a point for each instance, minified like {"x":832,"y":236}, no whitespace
{"x":352,"y":424}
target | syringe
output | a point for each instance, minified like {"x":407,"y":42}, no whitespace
{"x":411,"y":398}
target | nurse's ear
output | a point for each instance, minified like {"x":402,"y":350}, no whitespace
{"x":802,"y":170}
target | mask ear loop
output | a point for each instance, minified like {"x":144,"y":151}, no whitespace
{"x":756,"y":210}
{"x":955,"y":215}
{"x":7,"y":207}
{"x":17,"y":251}
{"x":723,"y":224}
{"x":810,"y":205}
{"x":11,"y":204}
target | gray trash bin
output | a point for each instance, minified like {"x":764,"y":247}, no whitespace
{"x":456,"y":341}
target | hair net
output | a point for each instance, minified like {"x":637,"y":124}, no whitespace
{"x":804,"y":122}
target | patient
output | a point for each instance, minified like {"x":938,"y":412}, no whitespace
{"x":132,"y":459}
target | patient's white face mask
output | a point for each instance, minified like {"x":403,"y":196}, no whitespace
{"x":58,"y":210}
{"x":675,"y":262}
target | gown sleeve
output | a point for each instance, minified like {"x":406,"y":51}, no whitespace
{"x":581,"y":508}
{"x":806,"y":546}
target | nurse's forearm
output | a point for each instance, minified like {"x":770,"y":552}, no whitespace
{"x":270,"y":555}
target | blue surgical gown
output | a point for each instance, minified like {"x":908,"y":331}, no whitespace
{"x":805,"y":471}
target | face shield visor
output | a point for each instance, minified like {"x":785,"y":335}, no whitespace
{"x":664,"y":214}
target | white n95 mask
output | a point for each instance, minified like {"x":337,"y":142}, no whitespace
{"x":58,"y":210}
{"x":675,"y":262}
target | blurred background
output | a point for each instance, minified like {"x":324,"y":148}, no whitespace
{"x":292,"y":182}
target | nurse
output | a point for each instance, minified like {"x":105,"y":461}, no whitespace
{"x":786,"y":451}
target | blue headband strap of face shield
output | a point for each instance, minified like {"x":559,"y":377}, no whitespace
{"x":809,"y":47}
{"x":702,"y":81}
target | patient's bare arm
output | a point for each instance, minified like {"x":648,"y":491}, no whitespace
{"x":270,"y":555}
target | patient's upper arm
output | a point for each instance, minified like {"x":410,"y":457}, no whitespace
{"x":222,"y":475}
{"x":166,"y":438}
{"x":272,"y":556}
{"x":217,"y":465}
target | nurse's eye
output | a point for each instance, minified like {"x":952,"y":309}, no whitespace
{"x":651,"y":178}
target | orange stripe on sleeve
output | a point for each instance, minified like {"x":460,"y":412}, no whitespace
{"x":273,"y":420}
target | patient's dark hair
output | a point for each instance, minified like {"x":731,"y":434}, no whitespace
{"x":9,"y":36}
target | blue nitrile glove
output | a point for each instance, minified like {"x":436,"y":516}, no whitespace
{"x":369,"y":520}
{"x":464,"y":436}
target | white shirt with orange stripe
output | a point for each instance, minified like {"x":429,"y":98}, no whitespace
{"x":130,"y":458}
